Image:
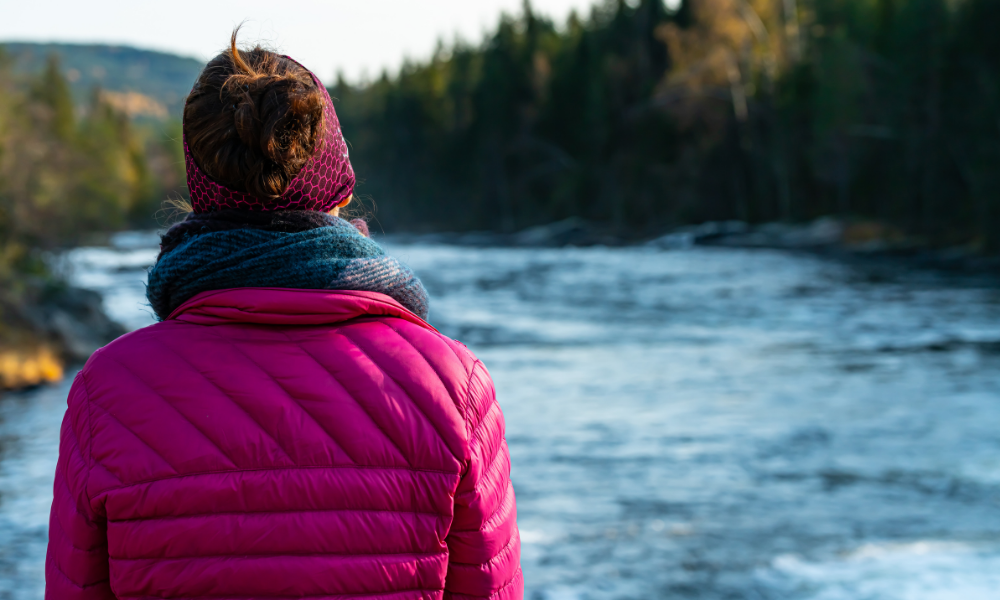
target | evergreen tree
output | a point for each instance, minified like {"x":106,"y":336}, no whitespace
{"x":52,"y":91}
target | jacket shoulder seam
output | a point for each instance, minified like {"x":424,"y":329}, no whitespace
{"x":462,"y":409}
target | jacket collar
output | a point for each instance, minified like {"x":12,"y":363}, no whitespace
{"x":282,"y":306}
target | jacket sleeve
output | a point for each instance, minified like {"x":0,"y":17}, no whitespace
{"x":483,"y":544}
{"x":76,"y":564}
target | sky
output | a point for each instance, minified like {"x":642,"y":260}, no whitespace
{"x":359,"y":38}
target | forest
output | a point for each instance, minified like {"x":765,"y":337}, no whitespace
{"x":641,"y":118}
{"x":634,"y":117}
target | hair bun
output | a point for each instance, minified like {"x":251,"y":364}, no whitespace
{"x":253,"y":120}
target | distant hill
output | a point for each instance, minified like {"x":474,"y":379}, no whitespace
{"x":144,"y":82}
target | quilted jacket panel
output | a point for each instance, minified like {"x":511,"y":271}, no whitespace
{"x":269,"y":443}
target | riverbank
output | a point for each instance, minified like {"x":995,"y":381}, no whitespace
{"x":851,"y":239}
{"x":46,"y":326}
{"x":843,"y":238}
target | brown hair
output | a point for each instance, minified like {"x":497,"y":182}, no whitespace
{"x":253,"y":120}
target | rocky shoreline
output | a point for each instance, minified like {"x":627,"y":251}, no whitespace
{"x":843,"y":238}
{"x":46,"y":326}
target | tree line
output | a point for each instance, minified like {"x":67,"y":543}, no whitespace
{"x":642,"y":118}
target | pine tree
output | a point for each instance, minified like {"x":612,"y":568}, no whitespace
{"x":52,"y":91}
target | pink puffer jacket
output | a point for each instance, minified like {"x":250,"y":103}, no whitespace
{"x":274,"y":443}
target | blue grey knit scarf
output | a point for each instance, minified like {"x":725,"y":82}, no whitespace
{"x":333,"y":256}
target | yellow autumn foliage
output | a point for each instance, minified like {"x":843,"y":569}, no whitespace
{"x":24,"y":367}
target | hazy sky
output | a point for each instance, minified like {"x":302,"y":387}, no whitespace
{"x":354,"y":36}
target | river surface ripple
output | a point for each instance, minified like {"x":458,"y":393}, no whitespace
{"x":707,"y":423}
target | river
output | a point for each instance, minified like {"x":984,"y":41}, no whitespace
{"x":703,"y":423}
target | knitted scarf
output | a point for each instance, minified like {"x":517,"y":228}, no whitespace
{"x":286,"y":249}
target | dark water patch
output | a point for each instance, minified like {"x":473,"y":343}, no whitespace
{"x":807,"y":291}
{"x":985,"y":347}
{"x":832,"y":480}
{"x":644,"y":508}
{"x":857,"y":367}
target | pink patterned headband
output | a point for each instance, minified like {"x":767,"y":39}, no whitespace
{"x":324,"y":182}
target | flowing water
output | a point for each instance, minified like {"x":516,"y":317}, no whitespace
{"x":706,"y":423}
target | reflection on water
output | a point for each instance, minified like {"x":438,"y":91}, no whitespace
{"x":710,"y":423}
